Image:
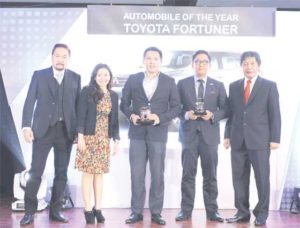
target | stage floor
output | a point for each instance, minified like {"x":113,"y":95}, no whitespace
{"x":115,"y":219}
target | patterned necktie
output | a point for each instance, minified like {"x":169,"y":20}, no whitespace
{"x":200,"y":88}
{"x":247,"y":91}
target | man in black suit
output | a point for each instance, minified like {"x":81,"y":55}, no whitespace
{"x":49,"y":121}
{"x":252,"y":130}
{"x":200,"y":135}
{"x":158,"y":92}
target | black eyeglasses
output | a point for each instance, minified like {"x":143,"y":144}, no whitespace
{"x":203,"y":62}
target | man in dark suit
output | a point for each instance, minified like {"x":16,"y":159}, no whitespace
{"x":252,"y":130}
{"x":200,"y":135}
{"x":158,"y":92}
{"x":49,"y":121}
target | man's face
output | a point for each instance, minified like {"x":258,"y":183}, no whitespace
{"x":201,"y":65}
{"x":250,"y":67}
{"x":152,"y":62}
{"x":60,"y":58}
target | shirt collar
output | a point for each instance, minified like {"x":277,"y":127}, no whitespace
{"x":56,"y":72}
{"x":196,"y":79}
{"x":253,"y":80}
{"x":148,"y":78}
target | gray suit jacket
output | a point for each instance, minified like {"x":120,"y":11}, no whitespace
{"x":164,"y":102}
{"x":41,"y":97}
{"x":259,"y":121}
{"x":215,"y":100}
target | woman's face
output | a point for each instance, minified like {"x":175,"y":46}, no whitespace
{"x":102,"y":78}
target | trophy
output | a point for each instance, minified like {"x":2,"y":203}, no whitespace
{"x":199,"y":107}
{"x":144,"y":112}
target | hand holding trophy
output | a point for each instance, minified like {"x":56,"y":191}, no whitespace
{"x":144,"y":114}
{"x":199,"y":108}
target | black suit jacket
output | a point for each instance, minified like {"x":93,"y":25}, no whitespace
{"x":259,"y":121}
{"x":40,"y":101}
{"x":87,"y":112}
{"x":215,"y":100}
{"x":164,"y":102}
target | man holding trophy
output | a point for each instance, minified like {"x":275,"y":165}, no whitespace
{"x":150,"y":101}
{"x":204,"y":104}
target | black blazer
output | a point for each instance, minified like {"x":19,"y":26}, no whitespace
{"x":41,"y":97}
{"x":164,"y":102}
{"x":87,"y":114}
{"x":215,"y":100}
{"x":259,"y":121}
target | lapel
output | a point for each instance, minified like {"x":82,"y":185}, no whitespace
{"x":254,"y":90}
{"x":67,"y":84}
{"x":209,"y":87}
{"x":191,"y":88}
{"x":140,"y":83}
{"x":51,"y":82}
{"x":158,"y":87}
{"x":240,"y":91}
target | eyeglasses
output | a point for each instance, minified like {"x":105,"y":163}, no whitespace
{"x":203,"y":62}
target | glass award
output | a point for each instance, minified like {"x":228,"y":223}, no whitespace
{"x":144,"y":113}
{"x":199,"y":107}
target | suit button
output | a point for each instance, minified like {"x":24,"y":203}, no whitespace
{"x":49,"y":116}
{"x":53,"y":103}
{"x":245,"y":112}
{"x":245,"y":124}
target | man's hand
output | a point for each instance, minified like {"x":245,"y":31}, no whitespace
{"x":28,"y":135}
{"x":154,"y":117}
{"x":274,"y":145}
{"x":209,"y":115}
{"x":134,"y":118}
{"x":226,"y":143}
{"x":191,"y":115}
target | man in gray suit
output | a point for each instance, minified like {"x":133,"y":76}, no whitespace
{"x":49,"y":121}
{"x":252,"y":130}
{"x":200,"y":136}
{"x":158,"y":92}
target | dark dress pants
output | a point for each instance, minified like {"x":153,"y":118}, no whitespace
{"x":140,"y":152}
{"x":56,"y":138}
{"x":241,"y":161}
{"x":209,"y":161}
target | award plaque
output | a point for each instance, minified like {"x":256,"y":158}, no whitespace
{"x":144,"y":112}
{"x":199,"y":107}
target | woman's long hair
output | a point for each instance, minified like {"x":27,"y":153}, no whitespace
{"x":96,"y":93}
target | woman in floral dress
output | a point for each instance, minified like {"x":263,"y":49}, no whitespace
{"x":97,"y":124}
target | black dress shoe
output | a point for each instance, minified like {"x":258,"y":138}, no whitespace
{"x":58,"y":217}
{"x":238,"y":219}
{"x":133,"y":218}
{"x":26,"y":220}
{"x":182,"y":216}
{"x":215,"y":217}
{"x":259,"y":222}
{"x":158,"y":220}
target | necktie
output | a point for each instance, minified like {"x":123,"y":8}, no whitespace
{"x":200,"y":88}
{"x":59,"y":77}
{"x":247,"y":91}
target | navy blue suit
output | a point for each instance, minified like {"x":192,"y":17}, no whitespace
{"x":38,"y":113}
{"x":200,"y":138}
{"x":250,"y":128}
